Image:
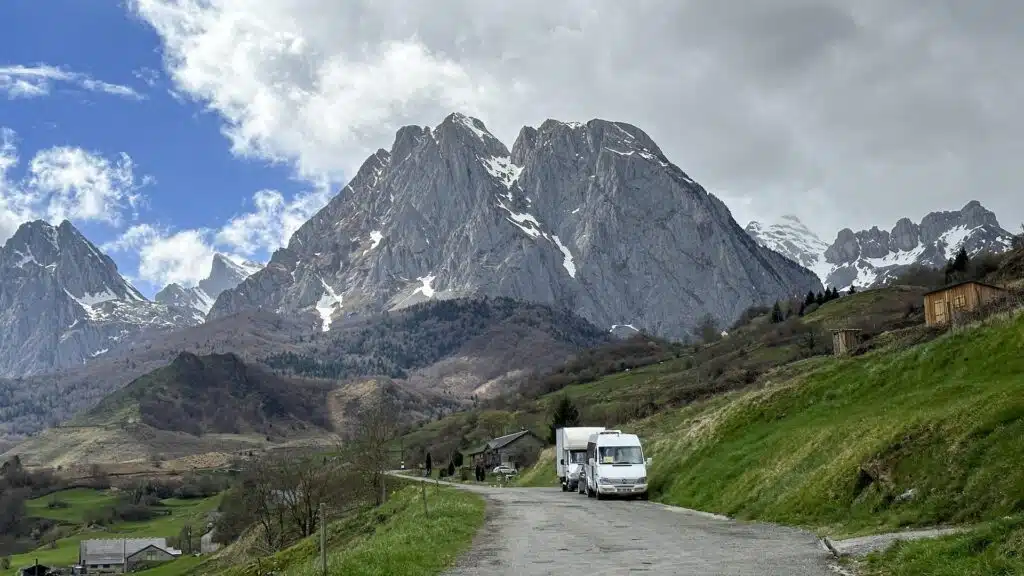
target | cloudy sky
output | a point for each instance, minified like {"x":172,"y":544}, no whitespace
{"x":203,"y":125}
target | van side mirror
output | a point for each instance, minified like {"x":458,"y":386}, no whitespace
{"x":590,"y":462}
{"x":649,"y":461}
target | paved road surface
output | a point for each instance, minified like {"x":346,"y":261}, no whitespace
{"x":540,"y":531}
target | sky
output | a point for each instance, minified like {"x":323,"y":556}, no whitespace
{"x":170,"y":129}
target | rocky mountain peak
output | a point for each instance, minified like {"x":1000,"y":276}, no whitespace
{"x":76,"y":263}
{"x":63,"y":301}
{"x":196,"y":301}
{"x":589,"y":217}
{"x":874,"y":256}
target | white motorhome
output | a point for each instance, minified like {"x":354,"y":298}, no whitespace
{"x":571,"y":453}
{"x":616,"y":466}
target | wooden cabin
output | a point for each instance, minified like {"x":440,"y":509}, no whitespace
{"x":844,"y":340}
{"x":942,"y":305}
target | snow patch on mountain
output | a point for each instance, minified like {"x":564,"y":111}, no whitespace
{"x":427,"y":289}
{"x":329,"y":303}
{"x":567,"y":261}
{"x":502,"y":168}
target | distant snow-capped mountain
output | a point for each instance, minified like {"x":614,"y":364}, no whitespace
{"x":791,"y":238}
{"x":225,"y":274}
{"x":874,"y":257}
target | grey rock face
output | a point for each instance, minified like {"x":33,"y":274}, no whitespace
{"x":62,"y":301}
{"x":873,"y":243}
{"x":846,"y":248}
{"x":588,"y":217}
{"x":197,"y":300}
{"x":905,"y":236}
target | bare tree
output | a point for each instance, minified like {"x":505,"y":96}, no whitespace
{"x":372,"y":436}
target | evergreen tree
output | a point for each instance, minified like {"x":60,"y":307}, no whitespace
{"x":956,"y":268}
{"x":457,"y":458}
{"x":428,"y":465}
{"x":810,"y":298}
{"x":853,"y":290}
{"x":564,"y":415}
{"x":803,"y":308}
{"x":777,"y":315}
{"x":451,"y":468}
{"x":819,"y":299}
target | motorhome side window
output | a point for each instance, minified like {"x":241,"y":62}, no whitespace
{"x":621,"y":455}
{"x":591,"y":450}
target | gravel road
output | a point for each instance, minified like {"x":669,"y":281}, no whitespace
{"x":535,"y":531}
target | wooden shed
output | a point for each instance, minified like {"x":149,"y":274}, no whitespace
{"x":844,"y":340}
{"x":942,"y":305}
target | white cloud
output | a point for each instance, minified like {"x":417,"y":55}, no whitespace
{"x":78,"y":185}
{"x":65,"y":183}
{"x":890,"y":108}
{"x":35,"y":81}
{"x":271,"y":223}
{"x":285,"y":90}
{"x":184,"y":256}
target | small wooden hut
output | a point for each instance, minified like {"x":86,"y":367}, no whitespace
{"x":844,"y":340}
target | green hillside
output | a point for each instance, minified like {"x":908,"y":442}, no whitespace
{"x":218,"y":393}
{"x":901,"y":437}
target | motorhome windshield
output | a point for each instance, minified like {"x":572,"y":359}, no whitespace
{"x":621,"y":455}
{"x":577,"y":457}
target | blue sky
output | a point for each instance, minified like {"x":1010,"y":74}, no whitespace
{"x":188,"y":176}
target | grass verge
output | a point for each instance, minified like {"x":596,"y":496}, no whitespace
{"x":995,"y":549}
{"x":397,"y":539}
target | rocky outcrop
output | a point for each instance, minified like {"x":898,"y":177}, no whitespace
{"x":588,"y":217}
{"x":63,"y":302}
{"x":874,"y":257}
{"x":197,"y":300}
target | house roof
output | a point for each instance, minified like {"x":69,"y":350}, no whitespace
{"x":475,"y":451}
{"x":502,"y":441}
{"x":113,"y":551}
{"x":170,"y":551}
{"x":955,"y":284}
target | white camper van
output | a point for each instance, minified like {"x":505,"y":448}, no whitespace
{"x":571,"y":453}
{"x":616,"y":465}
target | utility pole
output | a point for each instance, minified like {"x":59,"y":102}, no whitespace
{"x":323,"y":540}
{"x":426,"y":513}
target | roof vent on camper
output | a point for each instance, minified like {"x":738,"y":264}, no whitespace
{"x":610,"y":432}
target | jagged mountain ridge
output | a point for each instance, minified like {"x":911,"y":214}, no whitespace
{"x":873,"y":257}
{"x":588,"y":217}
{"x":225,"y":273}
{"x":63,"y":302}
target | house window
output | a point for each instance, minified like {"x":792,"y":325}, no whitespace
{"x":959,"y":302}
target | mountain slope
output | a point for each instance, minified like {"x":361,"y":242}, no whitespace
{"x":874,"y":257}
{"x":63,"y":302}
{"x":218,"y":393}
{"x":455,"y":347}
{"x":224,"y":274}
{"x":587,"y":217}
